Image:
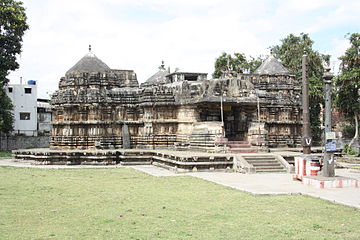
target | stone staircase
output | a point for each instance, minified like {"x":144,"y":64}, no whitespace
{"x":241,"y":147}
{"x":265,"y":163}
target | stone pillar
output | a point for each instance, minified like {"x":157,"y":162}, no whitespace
{"x":305,"y":106}
{"x":125,"y":137}
{"x":329,"y":165}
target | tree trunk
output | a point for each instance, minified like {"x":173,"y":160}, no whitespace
{"x":356,"y":131}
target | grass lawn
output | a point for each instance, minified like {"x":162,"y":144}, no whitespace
{"x":5,"y":155}
{"x":126,"y":204}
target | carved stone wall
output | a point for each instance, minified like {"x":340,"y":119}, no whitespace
{"x":90,"y":109}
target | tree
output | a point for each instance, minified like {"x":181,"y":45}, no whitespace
{"x":237,"y":63}
{"x":12,"y":27}
{"x":290,"y":52}
{"x":6,"y":115}
{"x":348,"y":83}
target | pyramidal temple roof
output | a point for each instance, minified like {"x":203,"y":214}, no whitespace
{"x":89,"y":63}
{"x":159,"y":76}
{"x":271,"y":66}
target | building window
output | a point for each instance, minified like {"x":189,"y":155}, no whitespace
{"x":191,"y":77}
{"x":24,"y":116}
{"x":10,"y":89}
{"x":28,"y":90}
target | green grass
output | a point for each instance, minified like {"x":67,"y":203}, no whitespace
{"x":126,"y":204}
{"x":5,"y":155}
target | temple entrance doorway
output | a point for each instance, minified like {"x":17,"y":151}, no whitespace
{"x":236,"y":119}
{"x":235,"y":123}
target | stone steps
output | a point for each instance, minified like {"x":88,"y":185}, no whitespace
{"x":269,"y":170}
{"x":265,"y":163}
{"x":244,"y":150}
{"x":274,"y":164}
{"x":238,"y":142}
{"x":241,"y":147}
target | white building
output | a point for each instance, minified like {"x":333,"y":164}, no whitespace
{"x":24,"y":99}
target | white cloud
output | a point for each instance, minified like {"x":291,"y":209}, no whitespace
{"x":338,"y":48}
{"x":187,"y":34}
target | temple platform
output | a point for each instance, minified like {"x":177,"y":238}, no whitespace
{"x":178,"y":161}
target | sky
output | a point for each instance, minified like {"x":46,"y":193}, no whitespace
{"x":186,"y":34}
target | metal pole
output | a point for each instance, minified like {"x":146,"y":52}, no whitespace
{"x":329,"y":165}
{"x":305,"y":106}
{"x":222,"y":116}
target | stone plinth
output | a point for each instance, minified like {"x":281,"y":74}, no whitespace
{"x":330,"y":182}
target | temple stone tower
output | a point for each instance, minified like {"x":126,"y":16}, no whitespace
{"x":280,"y":111}
{"x":92,"y":104}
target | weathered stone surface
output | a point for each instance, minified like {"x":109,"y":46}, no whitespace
{"x":271,"y":66}
{"x":94,"y":104}
{"x":126,"y":136}
{"x":89,"y":63}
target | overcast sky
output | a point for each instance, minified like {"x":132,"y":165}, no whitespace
{"x":186,"y":34}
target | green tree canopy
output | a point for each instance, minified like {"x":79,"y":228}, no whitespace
{"x":290,"y":52}
{"x":6,"y":116}
{"x":237,"y":63}
{"x":12,"y":27}
{"x":348,"y":82}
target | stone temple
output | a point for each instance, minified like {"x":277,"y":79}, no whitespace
{"x":97,"y":107}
